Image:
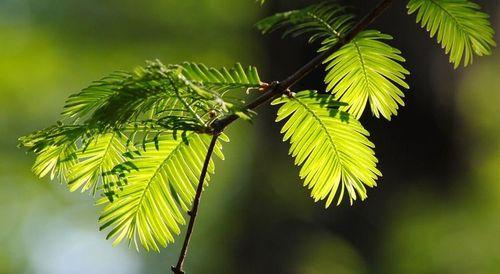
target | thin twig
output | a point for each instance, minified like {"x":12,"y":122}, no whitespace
{"x":270,"y":91}
{"x":178,"y":269}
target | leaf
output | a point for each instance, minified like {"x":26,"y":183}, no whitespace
{"x":367,"y":70}
{"x":128,"y":108}
{"x":94,"y":96}
{"x":185,"y":97}
{"x":55,"y":151}
{"x":222,"y":79}
{"x":364,"y":70}
{"x":459,"y":26}
{"x":56,"y":161}
{"x":327,"y":22}
{"x":95,"y":162}
{"x":161,"y":184}
{"x":166,"y":110}
{"x":150,"y":92}
{"x":331,"y":146}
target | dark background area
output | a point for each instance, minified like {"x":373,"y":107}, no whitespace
{"x":419,"y":149}
{"x":435,"y":209}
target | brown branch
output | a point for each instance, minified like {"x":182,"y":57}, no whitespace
{"x":178,"y":269}
{"x":270,"y":91}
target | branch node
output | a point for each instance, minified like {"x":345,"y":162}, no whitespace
{"x":263,"y":87}
{"x":176,"y":270}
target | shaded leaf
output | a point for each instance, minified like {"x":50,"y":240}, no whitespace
{"x":459,"y":26}
{"x":326,"y":22}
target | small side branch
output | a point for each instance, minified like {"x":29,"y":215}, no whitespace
{"x":178,"y":269}
{"x":269,"y":92}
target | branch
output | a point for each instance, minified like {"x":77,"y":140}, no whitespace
{"x":194,"y":211}
{"x":279,"y":88}
{"x":271,"y":91}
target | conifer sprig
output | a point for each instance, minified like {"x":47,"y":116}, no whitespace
{"x":143,"y":139}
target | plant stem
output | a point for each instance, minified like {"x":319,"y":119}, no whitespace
{"x":178,"y":269}
{"x":273,"y":90}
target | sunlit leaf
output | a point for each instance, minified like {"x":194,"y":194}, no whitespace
{"x":367,"y":70}
{"x":160,"y":183}
{"x":330,"y":145}
{"x":459,"y":26}
{"x":95,"y":161}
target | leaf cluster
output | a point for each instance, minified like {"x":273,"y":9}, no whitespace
{"x":331,"y":145}
{"x":138,"y":139}
{"x":364,"y":71}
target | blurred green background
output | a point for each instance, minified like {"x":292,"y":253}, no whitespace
{"x":435,"y":210}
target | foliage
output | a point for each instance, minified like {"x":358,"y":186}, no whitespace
{"x":96,"y":161}
{"x":222,"y":80}
{"x":367,"y":70}
{"x":330,"y":144}
{"x":326,"y":22}
{"x":176,"y":96}
{"x":159,"y":183}
{"x":140,"y":138}
{"x":459,"y":26}
{"x":132,"y":132}
{"x":364,"y":70}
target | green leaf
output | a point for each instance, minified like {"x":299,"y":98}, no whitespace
{"x":327,"y":22}
{"x":155,"y":91}
{"x":55,"y":161}
{"x":161,"y":183}
{"x":96,"y":160}
{"x":367,"y":70}
{"x":85,"y":102}
{"x":165,"y":110}
{"x":132,"y":108}
{"x":185,"y":97}
{"x":459,"y":26}
{"x":331,"y":146}
{"x":55,"y":150}
{"x":223,"y":79}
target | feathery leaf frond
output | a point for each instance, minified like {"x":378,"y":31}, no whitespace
{"x":367,"y":70}
{"x":185,"y":97}
{"x":79,"y":155}
{"x":327,"y":22}
{"x":331,"y":146}
{"x":95,"y":162}
{"x":126,"y":109}
{"x":55,"y":148}
{"x":223,"y":79}
{"x":55,"y":161}
{"x":459,"y":26}
{"x":364,"y":70}
{"x":160,"y":181}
